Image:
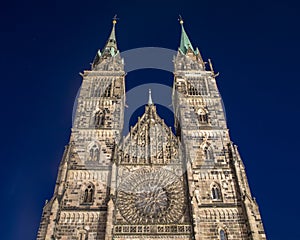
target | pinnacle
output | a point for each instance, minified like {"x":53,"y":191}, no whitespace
{"x":150,"y":102}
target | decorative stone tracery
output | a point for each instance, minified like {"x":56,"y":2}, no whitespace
{"x":150,"y":141}
{"x":149,"y":196}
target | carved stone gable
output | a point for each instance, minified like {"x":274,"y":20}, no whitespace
{"x":150,"y":141}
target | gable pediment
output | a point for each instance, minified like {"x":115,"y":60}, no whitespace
{"x":150,"y":141}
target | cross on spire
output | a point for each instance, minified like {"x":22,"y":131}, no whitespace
{"x":180,"y":19}
{"x":115,"y":19}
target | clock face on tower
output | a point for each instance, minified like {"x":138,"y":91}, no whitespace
{"x":151,"y":196}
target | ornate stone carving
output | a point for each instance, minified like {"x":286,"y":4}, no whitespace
{"x":151,"y":196}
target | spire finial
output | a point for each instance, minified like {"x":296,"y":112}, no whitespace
{"x":180,"y":19}
{"x":115,"y":19}
{"x":150,"y":102}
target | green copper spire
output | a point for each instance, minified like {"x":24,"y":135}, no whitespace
{"x":110,"y":49}
{"x":185,"y":43}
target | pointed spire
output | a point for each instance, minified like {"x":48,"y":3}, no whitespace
{"x":185,"y":42}
{"x":111,"y":44}
{"x":186,"y":46}
{"x":150,"y":102}
{"x":110,"y":49}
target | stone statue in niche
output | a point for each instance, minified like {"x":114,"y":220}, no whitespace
{"x":94,"y":154}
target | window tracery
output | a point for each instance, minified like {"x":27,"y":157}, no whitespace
{"x":152,"y":196}
{"x":99,"y":118}
{"x":216,"y":192}
{"x":202,"y":115}
{"x":88,"y":194}
{"x":197,"y":87}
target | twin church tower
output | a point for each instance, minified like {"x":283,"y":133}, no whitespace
{"x":152,"y":183}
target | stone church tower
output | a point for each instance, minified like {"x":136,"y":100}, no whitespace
{"x":152,"y":183}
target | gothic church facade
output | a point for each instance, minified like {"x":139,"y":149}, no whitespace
{"x":152,"y":183}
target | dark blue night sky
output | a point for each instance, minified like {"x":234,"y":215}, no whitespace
{"x":45,"y":44}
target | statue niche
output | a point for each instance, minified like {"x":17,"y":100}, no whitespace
{"x":94,"y":153}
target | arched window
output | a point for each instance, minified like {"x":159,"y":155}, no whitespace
{"x":88,"y":194}
{"x":94,"y":153}
{"x":208,"y":153}
{"x":202,"y":115}
{"x":223,"y":235}
{"x":126,"y":158}
{"x":216,"y":192}
{"x":99,"y":119}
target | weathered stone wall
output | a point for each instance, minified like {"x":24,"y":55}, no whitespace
{"x":221,"y":198}
{"x":78,"y":208}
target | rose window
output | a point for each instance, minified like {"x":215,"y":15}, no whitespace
{"x":151,"y":196}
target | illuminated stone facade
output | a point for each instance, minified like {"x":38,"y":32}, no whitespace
{"x":151,"y":184}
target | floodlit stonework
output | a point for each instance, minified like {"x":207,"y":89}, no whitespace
{"x":152,"y":183}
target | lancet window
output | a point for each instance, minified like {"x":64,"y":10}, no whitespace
{"x":202,"y":116}
{"x":216,"y":192}
{"x":99,"y":119}
{"x":88,"y":194}
{"x":208,"y":153}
